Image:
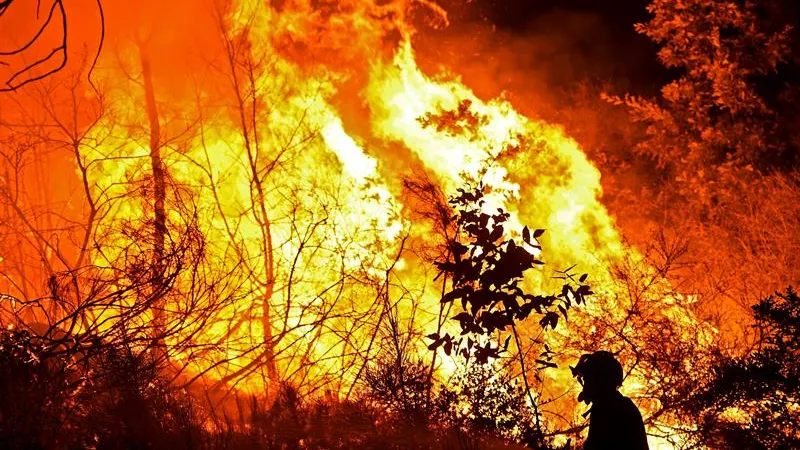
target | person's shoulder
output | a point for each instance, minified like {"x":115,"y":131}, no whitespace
{"x":628,"y":407}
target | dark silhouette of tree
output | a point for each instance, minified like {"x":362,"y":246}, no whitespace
{"x":487,"y":272}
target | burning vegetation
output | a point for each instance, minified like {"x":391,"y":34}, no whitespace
{"x":295,"y":224}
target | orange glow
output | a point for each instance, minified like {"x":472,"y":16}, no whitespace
{"x":286,"y":131}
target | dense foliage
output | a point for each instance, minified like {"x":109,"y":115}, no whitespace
{"x":713,"y":113}
{"x":58,"y":395}
{"x":115,"y":398}
{"x":753,"y":401}
{"x":720,"y":138}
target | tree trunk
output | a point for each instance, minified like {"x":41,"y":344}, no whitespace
{"x":159,"y":186}
{"x":247,"y":121}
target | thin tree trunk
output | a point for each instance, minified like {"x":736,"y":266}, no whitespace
{"x":159,"y":196}
{"x":259,"y":204}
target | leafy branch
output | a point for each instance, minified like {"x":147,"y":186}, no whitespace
{"x":487,"y":270}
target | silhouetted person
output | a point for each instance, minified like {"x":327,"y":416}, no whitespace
{"x":615,"y":422}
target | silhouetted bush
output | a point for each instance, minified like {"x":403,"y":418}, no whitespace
{"x":751,"y":402}
{"x":60,"y":395}
{"x":36,"y":392}
{"x":479,"y":405}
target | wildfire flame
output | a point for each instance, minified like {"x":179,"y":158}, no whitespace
{"x":287,"y":152}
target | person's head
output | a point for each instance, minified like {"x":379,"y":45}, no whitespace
{"x":600,"y":374}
